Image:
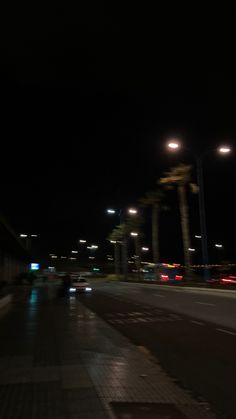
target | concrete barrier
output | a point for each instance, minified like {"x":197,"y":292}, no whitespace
{"x":5,"y":300}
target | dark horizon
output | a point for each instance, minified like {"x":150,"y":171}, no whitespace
{"x":89,"y":99}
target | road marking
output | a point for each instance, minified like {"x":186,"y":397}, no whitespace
{"x":159,"y":295}
{"x":204,"y":304}
{"x":226,"y":331}
{"x":199,"y":323}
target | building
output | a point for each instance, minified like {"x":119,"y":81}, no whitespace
{"x":14,"y":257}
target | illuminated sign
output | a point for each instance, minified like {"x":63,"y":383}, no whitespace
{"x":34,"y":266}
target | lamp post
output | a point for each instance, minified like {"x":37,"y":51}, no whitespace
{"x":121,"y":212}
{"x":175,"y":145}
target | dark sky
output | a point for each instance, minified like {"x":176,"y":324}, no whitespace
{"x":89,"y":95}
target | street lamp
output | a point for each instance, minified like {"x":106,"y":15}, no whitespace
{"x":121,"y":212}
{"x":224,"y":149}
{"x":111,"y":211}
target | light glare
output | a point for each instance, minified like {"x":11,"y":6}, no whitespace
{"x":224,"y":149}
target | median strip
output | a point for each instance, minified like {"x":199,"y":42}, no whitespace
{"x":198,"y":323}
{"x":226,"y":331}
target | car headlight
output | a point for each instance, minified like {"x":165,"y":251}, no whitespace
{"x":88,"y":289}
{"x":72,"y":289}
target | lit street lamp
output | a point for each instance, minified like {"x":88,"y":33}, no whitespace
{"x":219,"y":249}
{"x":121,"y":212}
{"x":175,"y":145}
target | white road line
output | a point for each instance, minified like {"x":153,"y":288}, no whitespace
{"x":226,"y":331}
{"x":198,"y":323}
{"x":204,"y":304}
{"x":159,"y":295}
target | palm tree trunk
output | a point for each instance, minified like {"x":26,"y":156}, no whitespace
{"x":185,"y":225}
{"x":117,"y":258}
{"x":155,"y":234}
{"x":125,"y":257}
{"x":138,"y":254}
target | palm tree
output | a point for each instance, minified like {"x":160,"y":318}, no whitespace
{"x":116,"y":237}
{"x":154,"y":199}
{"x":119,"y":236}
{"x":134,"y":225}
{"x":180,"y":176}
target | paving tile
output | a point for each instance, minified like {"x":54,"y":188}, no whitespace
{"x":58,"y":360}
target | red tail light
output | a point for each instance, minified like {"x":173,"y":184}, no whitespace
{"x":178,"y":277}
{"x":229,"y":279}
{"x":164,"y":277}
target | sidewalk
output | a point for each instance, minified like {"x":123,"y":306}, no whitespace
{"x":58,"y":360}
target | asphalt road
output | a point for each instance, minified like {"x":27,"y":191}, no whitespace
{"x":192,"y":333}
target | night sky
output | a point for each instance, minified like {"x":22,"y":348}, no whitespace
{"x":90,"y":95}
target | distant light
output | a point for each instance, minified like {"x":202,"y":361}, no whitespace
{"x":173,"y":145}
{"x":191,"y":249}
{"x":109,"y":256}
{"x":72,"y":289}
{"x":34,"y":266}
{"x":111,"y":211}
{"x":51,"y":268}
{"x":219,"y":245}
{"x":94,"y":246}
{"x":134,"y":234}
{"x":132,"y":211}
{"x":63,"y":257}
{"x":74,"y":251}
{"x":96,"y":269}
{"x":145,"y":249}
{"x":83,"y":241}
{"x":51,"y":254}
{"x":112,"y":241}
{"x":197,"y":237}
{"x":23,"y":235}
{"x":34,"y":235}
{"x":91,"y":257}
{"x":224,"y":149}
{"x":72,"y":258}
{"x":88,"y":289}
{"x":89,"y":247}
{"x":54,"y":257}
{"x":110,"y":259}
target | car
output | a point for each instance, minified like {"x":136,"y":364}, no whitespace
{"x":79,"y":285}
{"x":163,"y":273}
{"x":223,"y":279}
